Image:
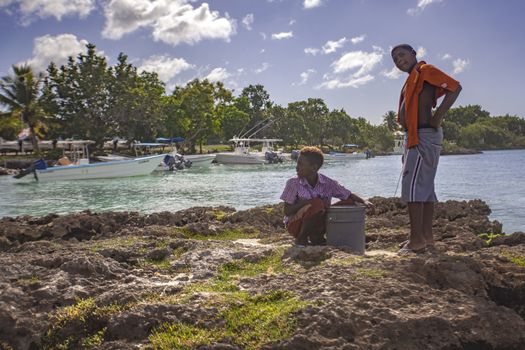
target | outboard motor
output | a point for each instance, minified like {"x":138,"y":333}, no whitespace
{"x":187,"y":163}
{"x":295,"y":154}
{"x":272,"y":157}
{"x":170,"y":162}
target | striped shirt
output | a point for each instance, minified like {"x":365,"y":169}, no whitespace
{"x":298,"y":188}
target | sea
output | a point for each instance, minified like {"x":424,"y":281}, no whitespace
{"x":496,"y":177}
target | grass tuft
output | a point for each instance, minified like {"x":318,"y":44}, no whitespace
{"x":372,"y":273}
{"x":249,"y":322}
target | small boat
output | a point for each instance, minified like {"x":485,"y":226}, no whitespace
{"x":82,"y":169}
{"x":399,"y":142}
{"x":243,"y":155}
{"x":174,"y":160}
{"x":344,"y":156}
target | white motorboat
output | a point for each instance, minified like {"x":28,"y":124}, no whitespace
{"x":174,"y":160}
{"x":81,"y":169}
{"x":242,"y":154}
{"x":345,"y":156}
{"x":399,"y":142}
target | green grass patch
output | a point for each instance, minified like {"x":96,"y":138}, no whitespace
{"x":348,"y":261}
{"x":515,"y":259}
{"x":243,"y":268}
{"x":177,"y":252}
{"x":29,"y":281}
{"x":226,"y":235}
{"x":219,"y":214}
{"x":250,"y":322}
{"x":489,"y":237}
{"x":372,"y":273}
{"x":163,"y":264}
{"x":116,"y":242}
{"x":81,"y":317}
{"x":94,"y":340}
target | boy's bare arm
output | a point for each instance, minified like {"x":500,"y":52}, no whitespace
{"x":358,"y":199}
{"x":448,"y":101}
{"x":290,"y":209}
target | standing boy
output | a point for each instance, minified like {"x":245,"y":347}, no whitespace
{"x":424,"y":85}
{"x":307,"y":196}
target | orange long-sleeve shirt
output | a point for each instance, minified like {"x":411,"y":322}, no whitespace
{"x":422,"y":72}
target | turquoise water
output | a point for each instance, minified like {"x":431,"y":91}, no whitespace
{"x":497,"y":177}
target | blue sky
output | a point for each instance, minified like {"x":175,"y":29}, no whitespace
{"x":337,"y":50}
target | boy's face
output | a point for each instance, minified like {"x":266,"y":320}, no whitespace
{"x":404,"y":59}
{"x":304,"y":167}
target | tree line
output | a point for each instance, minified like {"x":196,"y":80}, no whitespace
{"x":88,"y":99}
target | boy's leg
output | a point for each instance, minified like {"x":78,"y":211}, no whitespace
{"x":304,"y":222}
{"x":428,"y":217}
{"x":316,"y":228}
{"x":416,"y":240}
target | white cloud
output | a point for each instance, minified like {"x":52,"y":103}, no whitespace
{"x":460,"y":65}
{"x":292,"y":22}
{"x":358,"y":39}
{"x":305,"y":76}
{"x":421,"y":52}
{"x":57,"y":49}
{"x":172,"y":21}
{"x":394,"y":73}
{"x":264,"y":67}
{"x":247,"y":21}
{"x":446,"y":57}
{"x":282,"y":35}
{"x":421,"y":5}
{"x":50,"y":8}
{"x":165,"y":66}
{"x":263,"y":35}
{"x":218,"y":74}
{"x":332,"y":46}
{"x":311,"y":51}
{"x":351,"y":82}
{"x":353,"y":69}
{"x":308,"y":4}
{"x":363,"y":61}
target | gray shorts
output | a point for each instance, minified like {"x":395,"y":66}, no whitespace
{"x":420,"y":166}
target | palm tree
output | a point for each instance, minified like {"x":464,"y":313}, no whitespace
{"x":20,"y":95}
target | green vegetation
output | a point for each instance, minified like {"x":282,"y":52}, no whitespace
{"x":250,"y":322}
{"x":515,"y":259}
{"x":226,"y":235}
{"x":270,"y":264}
{"x":33,"y":280}
{"x":372,"y":272}
{"x":88,"y":99}
{"x":79,"y":316}
{"x":350,"y":260}
{"x":116,"y":242}
{"x":489,"y":237}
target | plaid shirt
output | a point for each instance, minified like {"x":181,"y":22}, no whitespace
{"x":298,"y":188}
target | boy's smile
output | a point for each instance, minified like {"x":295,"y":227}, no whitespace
{"x":404,"y":59}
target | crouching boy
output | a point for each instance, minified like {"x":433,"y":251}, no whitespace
{"x":307,"y":196}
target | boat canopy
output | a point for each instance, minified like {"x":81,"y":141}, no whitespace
{"x":169,"y":140}
{"x":254,"y":140}
{"x":149,"y":144}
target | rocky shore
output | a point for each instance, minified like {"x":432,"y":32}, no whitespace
{"x":216,"y":278}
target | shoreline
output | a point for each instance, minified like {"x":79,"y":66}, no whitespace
{"x":125,"y":280}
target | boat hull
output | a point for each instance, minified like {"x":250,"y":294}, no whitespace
{"x":233,"y":158}
{"x":104,"y":170}
{"x":343,"y":156}
{"x":200,"y":160}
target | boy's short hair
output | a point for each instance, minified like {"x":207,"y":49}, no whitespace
{"x":313,"y":154}
{"x":402,"y":46}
